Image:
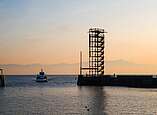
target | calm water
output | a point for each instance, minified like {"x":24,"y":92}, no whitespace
{"x":61,"y":96}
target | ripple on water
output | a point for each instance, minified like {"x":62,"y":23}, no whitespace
{"x":65,"y":98}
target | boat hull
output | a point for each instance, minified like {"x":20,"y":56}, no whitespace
{"x":41,"y":78}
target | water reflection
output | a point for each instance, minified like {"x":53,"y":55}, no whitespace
{"x":92,"y":100}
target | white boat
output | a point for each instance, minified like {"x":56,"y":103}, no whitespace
{"x":41,"y":77}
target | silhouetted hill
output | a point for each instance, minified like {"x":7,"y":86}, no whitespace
{"x":113,"y":66}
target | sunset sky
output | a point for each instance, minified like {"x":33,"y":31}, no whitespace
{"x":54,"y":31}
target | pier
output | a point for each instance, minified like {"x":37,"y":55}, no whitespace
{"x":2,"y":78}
{"x":138,"y":81}
{"x":96,"y":76}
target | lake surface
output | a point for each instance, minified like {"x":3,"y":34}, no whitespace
{"x":61,"y":96}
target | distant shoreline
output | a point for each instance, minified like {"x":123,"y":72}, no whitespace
{"x":47,"y":75}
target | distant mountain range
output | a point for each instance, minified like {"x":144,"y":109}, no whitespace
{"x":114,"y":66}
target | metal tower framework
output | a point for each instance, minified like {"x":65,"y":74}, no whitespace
{"x":96,"y":51}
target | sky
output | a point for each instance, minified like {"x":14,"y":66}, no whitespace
{"x":55,"y":31}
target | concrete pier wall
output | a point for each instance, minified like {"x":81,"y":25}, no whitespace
{"x":2,"y":80}
{"x":145,"y":81}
